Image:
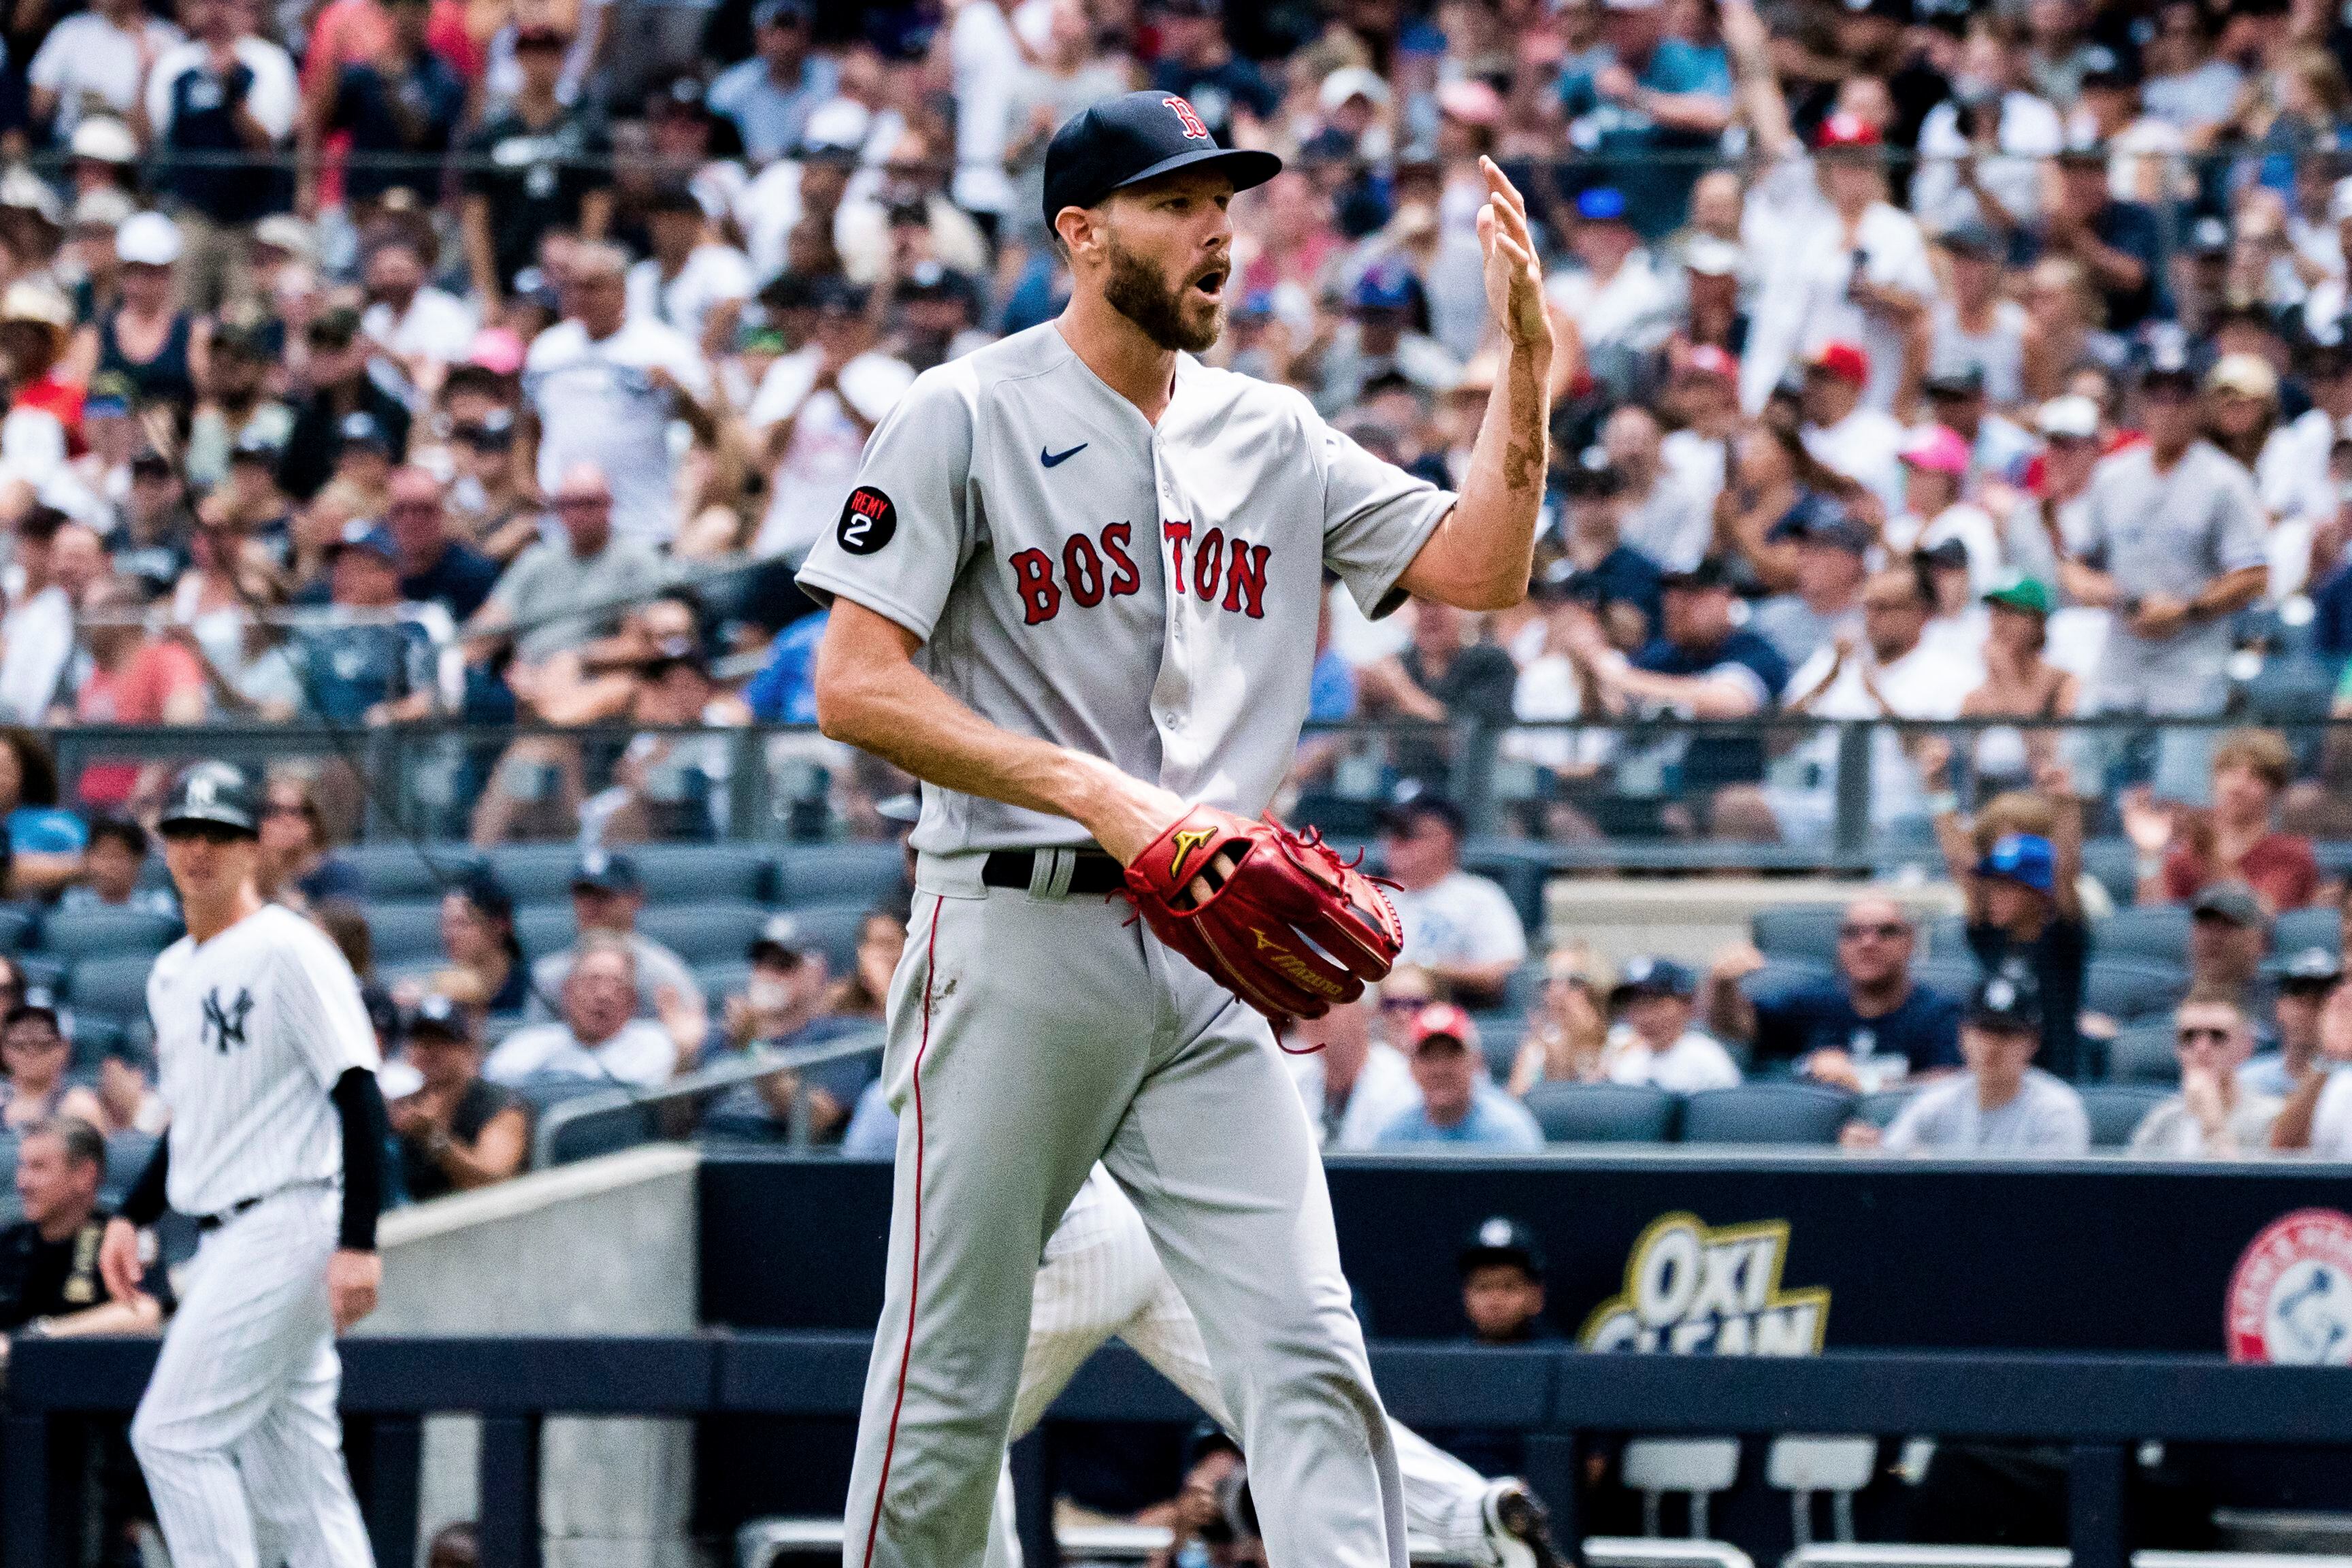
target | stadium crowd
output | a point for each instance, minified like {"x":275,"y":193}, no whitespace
{"x":396,"y":361}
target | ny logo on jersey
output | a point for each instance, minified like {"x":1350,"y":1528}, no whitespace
{"x":225,"y":1027}
{"x":1190,"y":118}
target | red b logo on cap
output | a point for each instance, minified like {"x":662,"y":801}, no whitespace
{"x":1185,"y":112}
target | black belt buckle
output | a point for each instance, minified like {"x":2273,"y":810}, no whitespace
{"x":207,"y":1223}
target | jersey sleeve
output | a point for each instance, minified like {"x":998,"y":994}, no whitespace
{"x":904,"y":531}
{"x":1376,"y":516}
{"x":316,"y":1000}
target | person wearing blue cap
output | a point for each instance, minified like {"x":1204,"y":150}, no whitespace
{"x":1382,"y":336}
{"x":2018,"y":863}
{"x":1617,"y":299}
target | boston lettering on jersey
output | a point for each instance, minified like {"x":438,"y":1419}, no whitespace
{"x":1092,"y":573}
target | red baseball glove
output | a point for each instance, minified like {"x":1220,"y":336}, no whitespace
{"x":1290,"y":928}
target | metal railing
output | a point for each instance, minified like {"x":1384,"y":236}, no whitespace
{"x":1786,"y":792}
{"x":2100,"y":1407}
{"x":633,"y":1116}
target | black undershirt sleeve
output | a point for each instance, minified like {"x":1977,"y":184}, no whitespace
{"x":359,"y":1104}
{"x":143,"y":1204}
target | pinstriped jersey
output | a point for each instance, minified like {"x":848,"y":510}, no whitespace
{"x":1146,"y":593}
{"x":252,"y":1029}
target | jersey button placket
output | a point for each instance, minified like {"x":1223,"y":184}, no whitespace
{"x":1170,"y":717}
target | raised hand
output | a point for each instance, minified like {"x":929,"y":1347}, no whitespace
{"x":1515,"y":295}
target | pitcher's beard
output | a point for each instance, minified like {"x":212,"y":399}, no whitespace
{"x":1137,"y":291}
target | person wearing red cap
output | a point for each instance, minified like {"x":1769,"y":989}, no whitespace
{"x":1459,"y":1102}
{"x":1846,"y":434}
{"x":1842,"y":263}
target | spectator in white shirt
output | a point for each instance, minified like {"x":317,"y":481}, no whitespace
{"x":1354,"y":1086}
{"x":1935,"y":475}
{"x":1461,"y":928}
{"x":1845,"y":265}
{"x":1661,"y":514}
{"x":424,"y":328}
{"x":1654,"y":1040}
{"x":94,"y":62}
{"x":812,"y":415}
{"x":691,"y":282}
{"x":2002,"y":1104}
{"x":1621,"y":306}
{"x":604,"y":388}
{"x":1978,"y":325}
{"x":1985,"y":144}
{"x":2216,"y":1115}
{"x":1894,"y":672}
{"x":986,"y":60}
{"x":598,"y":1038}
{"x":2318,"y":1115}
{"x":1845,"y":434}
{"x":37,"y":635}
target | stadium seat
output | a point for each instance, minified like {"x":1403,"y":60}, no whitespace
{"x":702,"y":934}
{"x":114,"y":987}
{"x":1765,"y":1113}
{"x":404,"y":933}
{"x":2299,"y":928}
{"x":1880,"y":1108}
{"x":2113,"y":864}
{"x":1696,"y":1468}
{"x":700,"y":873}
{"x":1603,"y":1112}
{"x":1781,"y":975}
{"x":92,"y":933}
{"x":1799,"y":931}
{"x":402,"y":870}
{"x":1523,"y":993}
{"x":2116,"y":1109}
{"x":2128,"y":990}
{"x":2143,"y":1054}
{"x":1805,"y":1468}
{"x":543,"y":929}
{"x":11,"y":1207}
{"x":1500,"y":1031}
{"x":862,"y":874}
{"x":537,"y":873}
{"x":2151,"y":931}
{"x":17,"y":923}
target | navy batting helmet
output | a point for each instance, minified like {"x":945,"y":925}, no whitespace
{"x":214,"y":793}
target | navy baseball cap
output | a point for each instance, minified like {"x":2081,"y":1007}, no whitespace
{"x":217,"y":793}
{"x":364,"y":533}
{"x":2312,"y":968}
{"x":1502,"y":1239}
{"x":1133,"y":137}
{"x":602,"y":871}
{"x":360,"y":428}
{"x":2022,"y":857}
{"x":436,"y":1015}
{"x":2009,"y":1002}
{"x":1654,"y":977}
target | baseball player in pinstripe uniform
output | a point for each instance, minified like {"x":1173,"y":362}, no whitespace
{"x":1101,"y":1278}
{"x":267,"y":1060}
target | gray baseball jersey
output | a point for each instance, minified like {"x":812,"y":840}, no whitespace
{"x":252,"y":1029}
{"x":1146,"y":593}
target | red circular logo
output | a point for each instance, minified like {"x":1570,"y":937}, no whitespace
{"x":2291,"y":1295}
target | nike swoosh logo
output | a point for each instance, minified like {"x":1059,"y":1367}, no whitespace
{"x":1053,"y":459}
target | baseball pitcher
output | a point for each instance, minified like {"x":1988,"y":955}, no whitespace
{"x":1075,"y":592}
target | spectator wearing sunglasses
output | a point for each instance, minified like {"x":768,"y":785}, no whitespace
{"x":1870,"y":1025}
{"x":2216,"y":1115}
